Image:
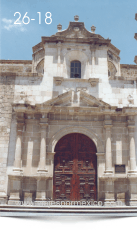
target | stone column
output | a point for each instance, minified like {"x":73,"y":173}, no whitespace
{"x":132,"y":154}
{"x":42,"y":162}
{"x":108,"y":126}
{"x":18,"y":149}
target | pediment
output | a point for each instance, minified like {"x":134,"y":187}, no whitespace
{"x":77,"y":30}
{"x":75,"y":99}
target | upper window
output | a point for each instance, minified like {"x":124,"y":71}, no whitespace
{"x":75,"y":69}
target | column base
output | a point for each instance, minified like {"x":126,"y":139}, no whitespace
{"x":42,"y":170}
{"x":18,"y":171}
{"x":14,"y":202}
{"x":14,"y":199}
{"x":41,"y":202}
{"x":108,"y":172}
{"x":133,"y":202}
{"x":109,"y":202}
{"x":3,"y":199}
{"x":132,"y":174}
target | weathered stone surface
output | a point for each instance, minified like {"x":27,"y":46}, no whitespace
{"x":40,"y":103}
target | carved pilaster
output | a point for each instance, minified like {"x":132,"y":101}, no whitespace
{"x":43,"y":127}
{"x":108,"y":126}
{"x":59,"y":59}
{"x":18,"y":149}
{"x":92,"y":48}
{"x":132,"y":155}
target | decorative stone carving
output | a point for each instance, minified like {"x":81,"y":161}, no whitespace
{"x":81,"y":89}
{"x":76,"y":29}
{"x":59,"y":27}
{"x":76,"y":18}
{"x":130,"y":99}
{"x":58,"y":80}
{"x":93,"y":28}
{"x":93,"y":81}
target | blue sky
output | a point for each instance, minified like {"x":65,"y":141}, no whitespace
{"x":113,"y":19}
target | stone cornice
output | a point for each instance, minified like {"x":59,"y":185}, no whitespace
{"x":114,"y":49}
{"x":121,"y":78}
{"x":20,"y":74}
{"x":65,"y":103}
{"x":2,"y":61}
{"x":74,"y":110}
{"x":88,"y":40}
{"x":93,"y":81}
{"x":127,"y":66}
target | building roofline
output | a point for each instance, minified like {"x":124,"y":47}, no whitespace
{"x":2,"y":61}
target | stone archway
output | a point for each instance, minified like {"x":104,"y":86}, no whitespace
{"x":76,"y":129}
{"x":75,"y":169}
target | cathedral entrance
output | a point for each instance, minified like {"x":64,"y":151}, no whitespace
{"x":75,"y":169}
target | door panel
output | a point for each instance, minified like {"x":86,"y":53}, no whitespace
{"x":75,"y":168}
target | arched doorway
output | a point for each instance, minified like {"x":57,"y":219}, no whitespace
{"x":75,"y":168}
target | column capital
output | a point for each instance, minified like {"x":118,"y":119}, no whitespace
{"x":130,"y":124}
{"x":43,"y":125}
{"x":59,"y":44}
{"x":43,"y":122}
{"x":100,"y":154}
{"x":20,"y":126}
{"x":51,"y":153}
{"x":108,"y":123}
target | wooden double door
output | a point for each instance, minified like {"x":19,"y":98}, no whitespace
{"x":75,"y":169}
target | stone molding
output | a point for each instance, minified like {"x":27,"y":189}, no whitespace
{"x":76,"y":129}
{"x":15,"y":61}
{"x":93,"y":81}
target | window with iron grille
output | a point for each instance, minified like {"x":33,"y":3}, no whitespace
{"x":75,"y":69}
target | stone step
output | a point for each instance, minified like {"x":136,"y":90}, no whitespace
{"x":13,"y":210}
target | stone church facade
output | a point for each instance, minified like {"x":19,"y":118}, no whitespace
{"x":68,"y":121}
